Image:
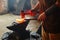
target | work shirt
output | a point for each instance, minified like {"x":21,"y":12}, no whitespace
{"x":52,"y":21}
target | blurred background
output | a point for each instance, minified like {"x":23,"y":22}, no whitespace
{"x":16,"y":6}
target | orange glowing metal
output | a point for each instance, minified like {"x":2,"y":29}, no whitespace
{"x":20,"y":20}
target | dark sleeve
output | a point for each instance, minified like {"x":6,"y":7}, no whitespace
{"x":50,"y":10}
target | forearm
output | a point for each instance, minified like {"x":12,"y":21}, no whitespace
{"x":36,"y":7}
